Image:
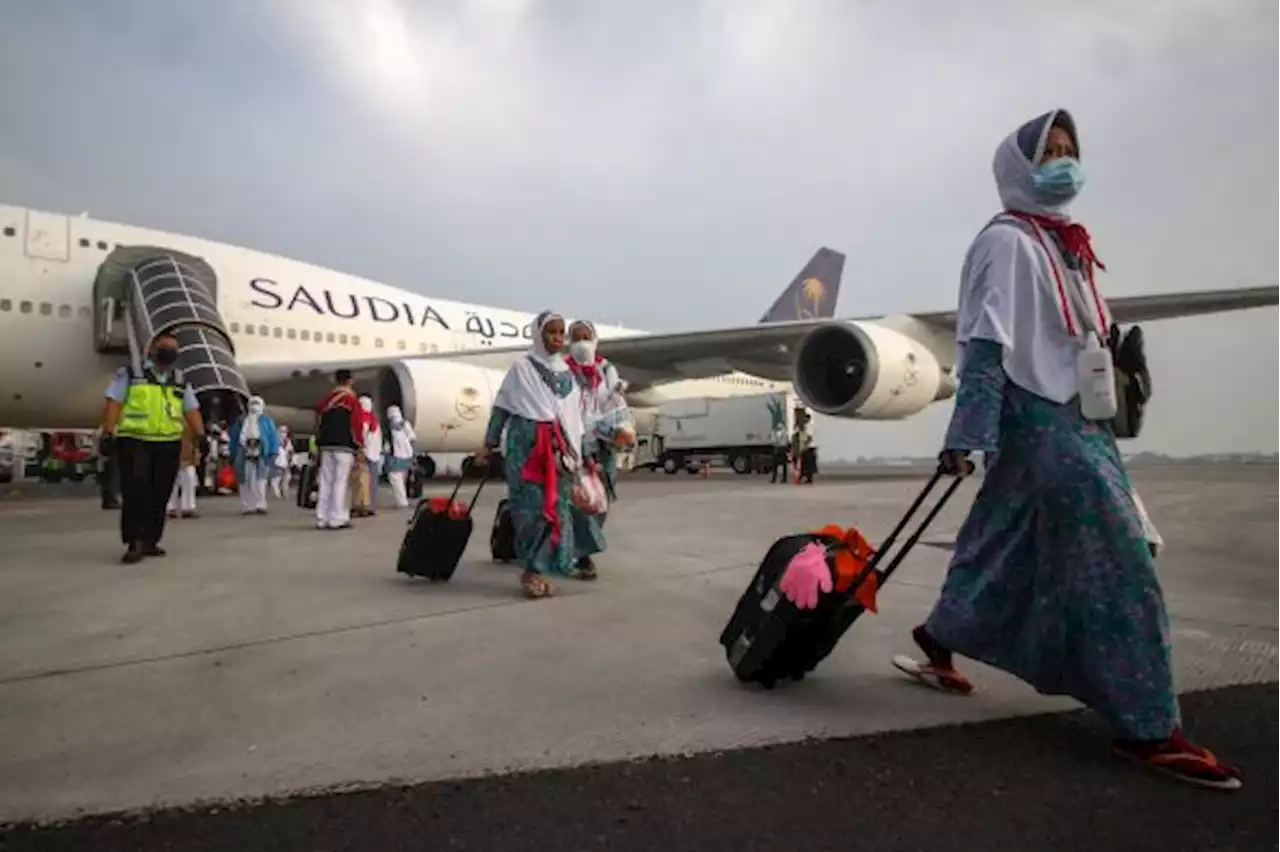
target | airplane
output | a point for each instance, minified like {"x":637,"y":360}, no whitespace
{"x":247,"y":319}
{"x":266,"y":322}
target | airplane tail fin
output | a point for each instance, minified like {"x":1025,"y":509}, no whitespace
{"x":811,"y":294}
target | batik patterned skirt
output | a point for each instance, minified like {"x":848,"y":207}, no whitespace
{"x":1052,"y":579}
{"x":534,"y":548}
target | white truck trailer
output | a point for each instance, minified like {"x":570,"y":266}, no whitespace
{"x":736,"y":431}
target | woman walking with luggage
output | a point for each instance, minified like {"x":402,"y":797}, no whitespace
{"x":1052,"y":579}
{"x":538,"y":407}
{"x":598,"y":383}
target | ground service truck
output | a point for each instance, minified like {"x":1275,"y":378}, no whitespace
{"x":736,"y":431}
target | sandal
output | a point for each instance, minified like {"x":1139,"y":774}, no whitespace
{"x":941,"y":678}
{"x":584,"y":570}
{"x":535,"y":585}
{"x":1179,"y":758}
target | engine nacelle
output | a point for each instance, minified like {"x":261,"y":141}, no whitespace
{"x":867,"y":371}
{"x":447,"y":402}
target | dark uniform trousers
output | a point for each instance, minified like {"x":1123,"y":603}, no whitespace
{"x":147,"y":470}
{"x":779,"y":465}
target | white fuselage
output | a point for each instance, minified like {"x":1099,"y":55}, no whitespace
{"x":278,"y":311}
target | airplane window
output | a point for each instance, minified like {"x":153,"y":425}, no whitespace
{"x":6,"y":305}
{"x":306,"y":335}
{"x":84,"y":243}
{"x":263,"y":330}
{"x":435,"y":348}
{"x":9,"y":231}
{"x":377,"y":343}
{"x":64,"y":311}
{"x":400,"y":345}
{"x":293,"y":334}
{"x":102,"y":245}
{"x":46,"y":309}
{"x":422,"y":347}
{"x":319,"y":336}
{"x":235,"y":328}
{"x":248,"y":329}
{"x":342,"y":338}
{"x":277,"y":333}
{"x":328,"y":338}
{"x":85,"y":312}
{"x":355,"y":340}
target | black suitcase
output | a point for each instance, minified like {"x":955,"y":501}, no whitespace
{"x":308,"y":487}
{"x":437,"y":536}
{"x":769,"y":639}
{"x":502,"y":538}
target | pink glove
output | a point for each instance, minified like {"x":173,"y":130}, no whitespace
{"x":806,"y":576}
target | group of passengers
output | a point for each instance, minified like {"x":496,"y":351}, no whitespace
{"x":352,"y":452}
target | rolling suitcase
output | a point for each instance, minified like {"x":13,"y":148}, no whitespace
{"x":308,"y":487}
{"x":502,"y":538}
{"x":437,"y":536}
{"x":769,"y":639}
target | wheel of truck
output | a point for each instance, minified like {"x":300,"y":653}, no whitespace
{"x":741,"y":464}
{"x":427,"y":467}
{"x":669,"y":466}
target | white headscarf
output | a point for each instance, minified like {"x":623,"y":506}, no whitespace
{"x":252,"y":421}
{"x":526,"y":394}
{"x":1008,"y":292}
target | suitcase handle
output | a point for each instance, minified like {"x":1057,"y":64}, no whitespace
{"x":484,"y":476}
{"x":873,"y":564}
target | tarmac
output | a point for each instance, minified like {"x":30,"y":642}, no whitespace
{"x":263,"y":658}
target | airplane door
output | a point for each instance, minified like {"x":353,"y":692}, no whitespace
{"x":48,"y":236}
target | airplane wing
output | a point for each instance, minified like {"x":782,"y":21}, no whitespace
{"x":766,"y":350}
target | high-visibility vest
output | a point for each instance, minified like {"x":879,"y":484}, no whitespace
{"x":152,"y":409}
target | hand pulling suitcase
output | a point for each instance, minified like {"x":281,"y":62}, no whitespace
{"x":768,"y":638}
{"x":437,"y":536}
{"x":502,"y":538}
{"x":308,"y":487}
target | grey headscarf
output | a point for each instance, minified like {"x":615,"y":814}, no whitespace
{"x":1017,"y":157}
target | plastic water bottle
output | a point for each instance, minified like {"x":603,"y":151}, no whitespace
{"x":1096,"y":381}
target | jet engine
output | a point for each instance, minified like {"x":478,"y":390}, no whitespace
{"x":866,"y":371}
{"x":447,"y":402}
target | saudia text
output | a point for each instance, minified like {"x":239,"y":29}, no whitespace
{"x":378,"y":309}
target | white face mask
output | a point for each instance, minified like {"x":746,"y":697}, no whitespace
{"x":583,"y":351}
{"x":366,"y":404}
{"x":256,"y":408}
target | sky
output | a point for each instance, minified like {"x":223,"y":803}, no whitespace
{"x":670,"y":164}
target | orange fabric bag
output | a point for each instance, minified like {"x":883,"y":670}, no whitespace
{"x":851,"y":560}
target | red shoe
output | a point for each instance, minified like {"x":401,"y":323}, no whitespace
{"x":943,"y":679}
{"x":1182,"y":759}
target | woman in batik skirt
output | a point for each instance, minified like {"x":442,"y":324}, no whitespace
{"x":1052,"y":579}
{"x":598,"y":383}
{"x":538,"y":407}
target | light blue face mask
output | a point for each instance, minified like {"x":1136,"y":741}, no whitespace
{"x":1058,"y":181}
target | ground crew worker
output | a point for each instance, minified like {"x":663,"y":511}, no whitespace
{"x":781,"y":444}
{"x":142,"y":423}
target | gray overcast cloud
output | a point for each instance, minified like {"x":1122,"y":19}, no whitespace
{"x":670,"y":164}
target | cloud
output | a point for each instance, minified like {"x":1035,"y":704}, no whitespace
{"x":671,"y":164}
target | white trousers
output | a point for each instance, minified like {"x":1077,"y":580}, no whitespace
{"x":333,"y":506}
{"x":253,"y":490}
{"x":280,"y":483}
{"x":398,"y":480}
{"x":183,"y":496}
